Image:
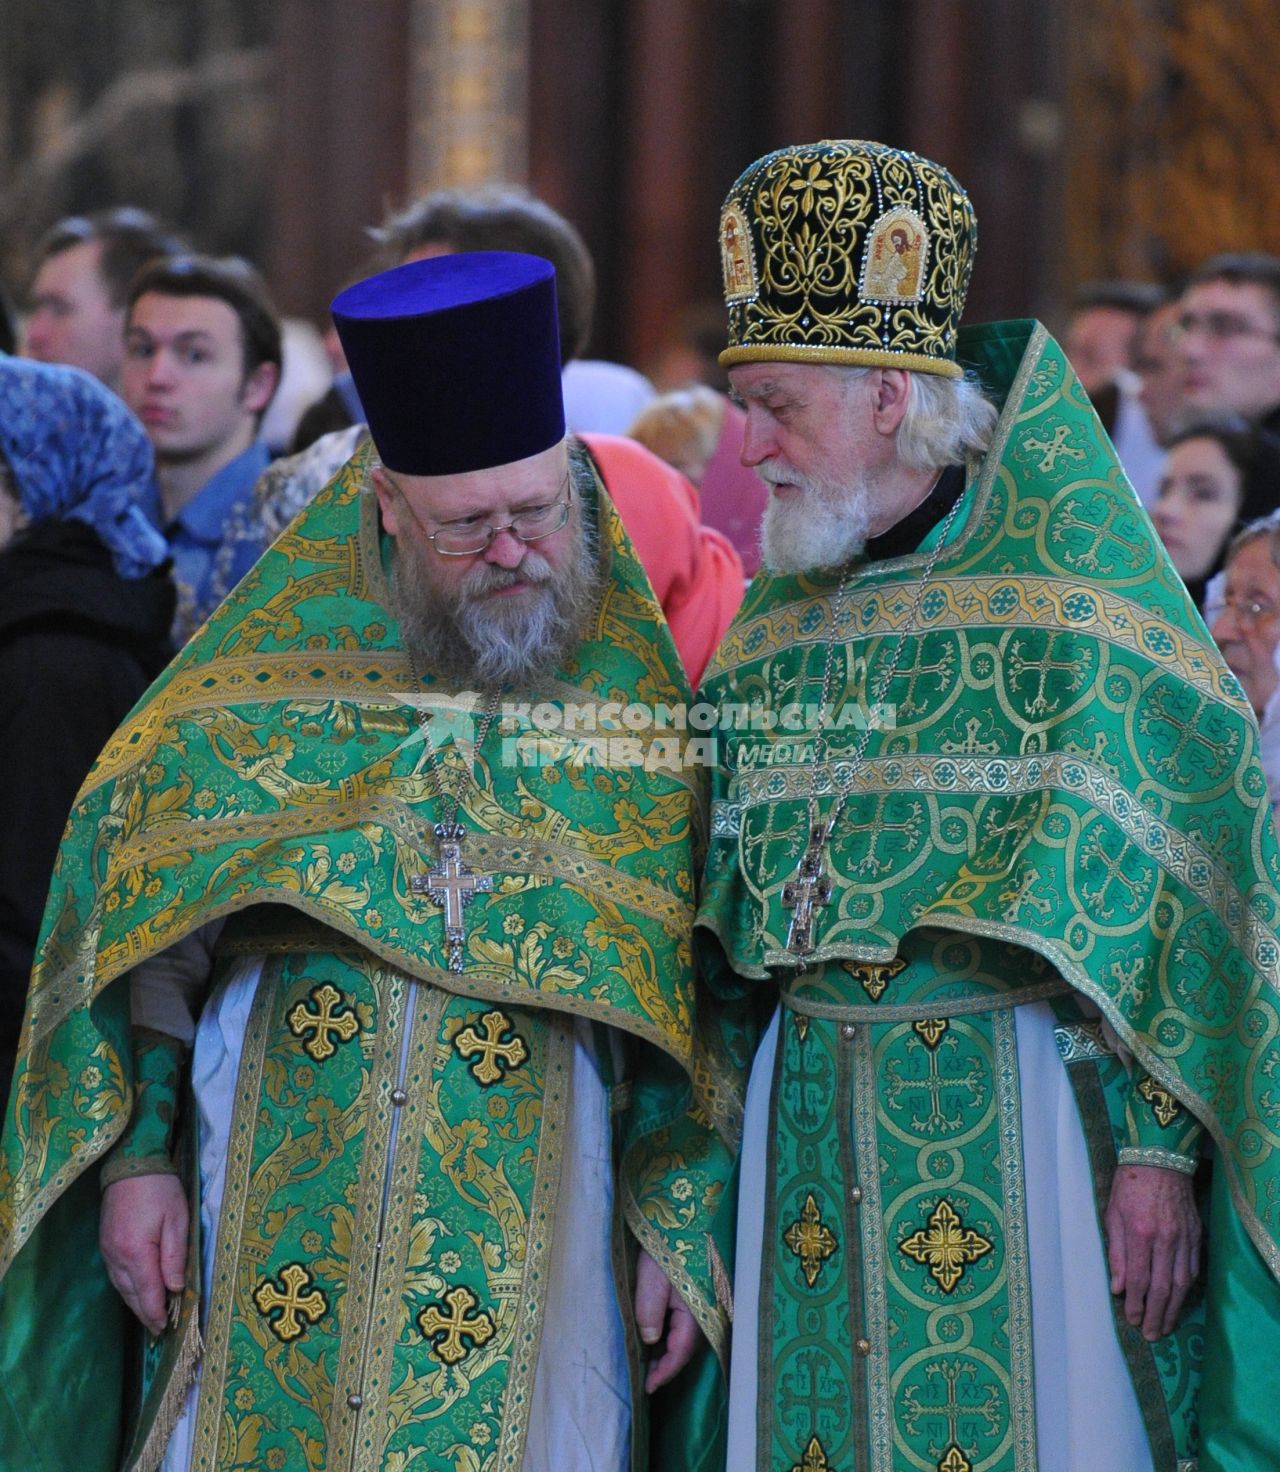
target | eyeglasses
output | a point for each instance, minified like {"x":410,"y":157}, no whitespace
{"x":1219,"y":327}
{"x":1248,"y":612}
{"x":468,"y":535}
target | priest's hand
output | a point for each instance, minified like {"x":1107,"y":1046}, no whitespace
{"x":143,"y":1236}
{"x":1153,"y":1244}
{"x":666,"y":1326}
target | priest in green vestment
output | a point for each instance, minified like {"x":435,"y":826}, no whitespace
{"x":364,"y":1064}
{"x":991,"y":849}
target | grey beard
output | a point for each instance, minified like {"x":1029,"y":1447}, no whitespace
{"x":825,"y":528}
{"x":470,"y":638}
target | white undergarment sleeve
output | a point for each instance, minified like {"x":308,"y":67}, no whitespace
{"x":167,"y":991}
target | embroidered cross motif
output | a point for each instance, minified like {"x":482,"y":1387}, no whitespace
{"x":955,"y":1461}
{"x":875,"y":976}
{"x":455,"y":1326}
{"x":810,"y":1240}
{"x":947,"y":1248}
{"x":452,"y":886}
{"x":292,"y":1302}
{"x":1163,"y":1105}
{"x":494,"y":1050}
{"x":931,"y":1029}
{"x":814,"y":1459}
{"x":323,"y":1022}
{"x":1051,"y":451}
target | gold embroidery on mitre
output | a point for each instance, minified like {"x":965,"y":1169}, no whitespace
{"x":947,"y":1248}
{"x":1163,"y":1104}
{"x":896,"y":258}
{"x":810,"y":1240}
{"x":737,"y":256}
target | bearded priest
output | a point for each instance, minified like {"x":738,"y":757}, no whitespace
{"x":992,"y":844}
{"x":366,"y":1085}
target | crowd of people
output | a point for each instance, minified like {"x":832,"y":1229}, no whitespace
{"x":410,"y":1068}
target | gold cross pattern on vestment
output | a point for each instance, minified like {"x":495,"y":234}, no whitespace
{"x":809,"y":890}
{"x":455,"y":1326}
{"x":325,"y":1020}
{"x":494,"y":1049}
{"x":293,"y":1301}
{"x":811,"y":1240}
{"x":815,"y":1458}
{"x":452,"y":886}
{"x":947,"y":1248}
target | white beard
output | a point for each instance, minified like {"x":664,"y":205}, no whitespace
{"x":824,"y":526}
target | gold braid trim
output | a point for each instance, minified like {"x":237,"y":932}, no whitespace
{"x":853,"y":357}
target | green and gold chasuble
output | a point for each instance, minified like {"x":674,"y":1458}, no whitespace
{"x":1059,"y":801}
{"x":398,"y":1130}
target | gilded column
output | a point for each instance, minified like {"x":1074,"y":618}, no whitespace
{"x":468,"y":92}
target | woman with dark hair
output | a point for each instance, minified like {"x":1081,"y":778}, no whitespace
{"x":85,"y":607}
{"x":1217,"y":476}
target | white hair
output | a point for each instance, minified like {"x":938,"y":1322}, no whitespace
{"x":947,"y":420}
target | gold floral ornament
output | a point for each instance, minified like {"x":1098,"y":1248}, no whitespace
{"x":846,"y":252}
{"x":947,"y":1248}
{"x":811,"y":1240}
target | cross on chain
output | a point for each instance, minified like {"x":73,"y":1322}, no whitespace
{"x":452,"y":886}
{"x":809,"y":890}
{"x":455,"y":1326}
{"x":469,"y":1042}
{"x":293,"y":1301}
{"x":322,"y":1022}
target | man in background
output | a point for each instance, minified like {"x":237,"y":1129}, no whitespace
{"x":202,"y":361}
{"x":80,"y":291}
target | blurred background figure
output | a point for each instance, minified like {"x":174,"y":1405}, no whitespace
{"x":1157,"y":364}
{"x":1217,"y":477}
{"x":598,"y":395}
{"x":1228,"y":339}
{"x":1101,"y":342}
{"x":81,"y":285}
{"x":85,"y":607}
{"x":699,"y":431}
{"x":1246,"y":628}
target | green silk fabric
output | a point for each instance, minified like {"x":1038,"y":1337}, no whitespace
{"x":281,"y":761}
{"x":1062,"y":762}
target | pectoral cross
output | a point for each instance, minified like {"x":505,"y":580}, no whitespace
{"x":810,"y":889}
{"x":453,"y":886}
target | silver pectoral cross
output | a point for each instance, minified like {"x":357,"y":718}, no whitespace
{"x":452,"y":886}
{"x":808,"y":891}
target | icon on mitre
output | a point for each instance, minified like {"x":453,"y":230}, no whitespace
{"x":736,"y":257}
{"x":894,"y":265}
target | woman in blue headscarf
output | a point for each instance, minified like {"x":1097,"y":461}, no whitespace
{"x":85,"y":607}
